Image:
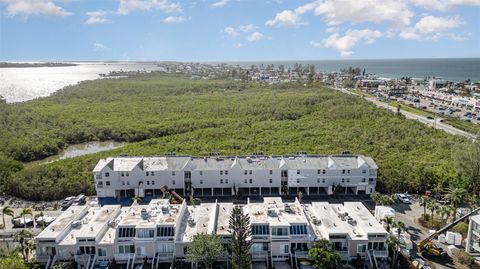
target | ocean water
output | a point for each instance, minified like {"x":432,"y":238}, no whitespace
{"x":23,"y":84}
{"x":453,"y":69}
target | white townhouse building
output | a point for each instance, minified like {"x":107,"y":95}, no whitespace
{"x":158,"y":233}
{"x":473,"y":236}
{"x":124,"y":177}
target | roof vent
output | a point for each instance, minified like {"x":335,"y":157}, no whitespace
{"x":301,"y":153}
{"x":249,"y":159}
{"x":345,"y":152}
{"x":123,"y":155}
{"x":170,"y":153}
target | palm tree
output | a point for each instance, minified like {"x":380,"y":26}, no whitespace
{"x":445,"y":212}
{"x":423,"y":201}
{"x":455,"y":196}
{"x":23,"y":238}
{"x":400,"y":227}
{"x":432,"y":206}
{"x":136,"y":199}
{"x":7,"y":210}
{"x":389,"y":221}
{"x":394,"y":244}
{"x":26,"y":211}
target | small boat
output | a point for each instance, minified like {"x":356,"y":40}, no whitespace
{"x":20,"y":222}
{"x":44,"y":220}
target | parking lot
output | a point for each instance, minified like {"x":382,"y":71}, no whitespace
{"x":442,"y":108}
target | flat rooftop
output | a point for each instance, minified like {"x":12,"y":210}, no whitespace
{"x":62,"y":222}
{"x":351,"y":219}
{"x":197,"y":220}
{"x":224,"y":212}
{"x":157,"y":212}
{"x":90,"y":225}
{"x":275,"y":212}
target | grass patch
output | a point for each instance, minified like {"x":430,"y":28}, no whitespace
{"x":470,"y":127}
{"x":361,"y":93}
{"x":413,"y":110}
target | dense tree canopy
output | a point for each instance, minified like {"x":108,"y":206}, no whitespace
{"x":165,"y":113}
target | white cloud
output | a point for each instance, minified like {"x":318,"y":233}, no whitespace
{"x":247,"y":28}
{"x":99,"y":46}
{"x":445,"y":4}
{"x":332,"y":30}
{"x":431,"y":27}
{"x":220,"y":3}
{"x":174,"y":19}
{"x":255,"y":36}
{"x":230,"y":31}
{"x":26,"y":8}
{"x":96,"y":17}
{"x":127,"y":6}
{"x":316,"y":44}
{"x":286,"y":18}
{"x":345,"y":44}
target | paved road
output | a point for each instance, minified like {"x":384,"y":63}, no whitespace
{"x":430,"y":122}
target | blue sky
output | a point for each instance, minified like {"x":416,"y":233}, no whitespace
{"x":217,"y":30}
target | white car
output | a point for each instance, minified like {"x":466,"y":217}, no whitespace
{"x":403,"y":198}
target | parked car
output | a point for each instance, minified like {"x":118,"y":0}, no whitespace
{"x":79,"y":200}
{"x":67,"y":202}
{"x":403,"y":198}
{"x":430,"y":117}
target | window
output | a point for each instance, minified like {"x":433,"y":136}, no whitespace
{"x":348,"y":171}
{"x":318,"y":180}
{"x":122,"y":174}
{"x":107,"y":174}
{"x":128,"y":183}
{"x":251,"y":181}
{"x":86,"y":250}
{"x":279,"y":231}
{"x":127,"y":174}
{"x":126,"y":232}
{"x":250,"y":172}
{"x":148,"y":182}
{"x":126,"y":249}
{"x":338,"y":246}
{"x":299,"y":246}
{"x":323,"y":180}
{"x":245,"y":172}
{"x":343,"y":180}
{"x":123,"y":183}
{"x":348,"y":180}
{"x":200,"y":172}
{"x":226,"y":172}
{"x":173,"y":182}
{"x":361,"y":248}
{"x":298,"y":229}
{"x":221,"y":181}
{"x":102,"y":252}
{"x":107,"y":183}
{"x":165,"y":231}
{"x":173,"y":173}
{"x":364,"y":171}
{"x":271,"y":172}
{"x":153,"y":182}
{"x":221,"y":172}
{"x":343,"y":171}
{"x":100,"y":184}
{"x":147,"y":173}
{"x":259,"y":229}
{"x":143,"y":233}
{"x":298,"y":180}
{"x":364,"y":179}
{"x":226,"y":181}
{"x":201,"y":181}
{"x":371,"y":179}
{"x":324,"y":171}
{"x":270,"y":180}
{"x":298,"y":172}
{"x":246,"y":181}
{"x":98,"y":176}
{"x":259,"y":247}
{"x":286,"y":249}
{"x":152,"y":174}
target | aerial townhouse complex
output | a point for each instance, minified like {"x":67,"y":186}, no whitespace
{"x":158,"y":233}
{"x":216,"y":176}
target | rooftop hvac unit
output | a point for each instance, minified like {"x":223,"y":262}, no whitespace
{"x":76,"y":224}
{"x":316,"y":221}
{"x":249,"y":159}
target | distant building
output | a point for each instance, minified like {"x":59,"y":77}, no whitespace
{"x":126,"y":177}
{"x":473,"y":237}
{"x":436,"y":83}
{"x":158,"y":233}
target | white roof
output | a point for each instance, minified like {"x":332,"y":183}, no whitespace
{"x":158,"y":212}
{"x":172,"y":163}
{"x":275,"y":212}
{"x":62,"y":222}
{"x":197,"y":220}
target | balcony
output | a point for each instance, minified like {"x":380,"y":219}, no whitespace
{"x":380,"y":253}
{"x":260,"y":255}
